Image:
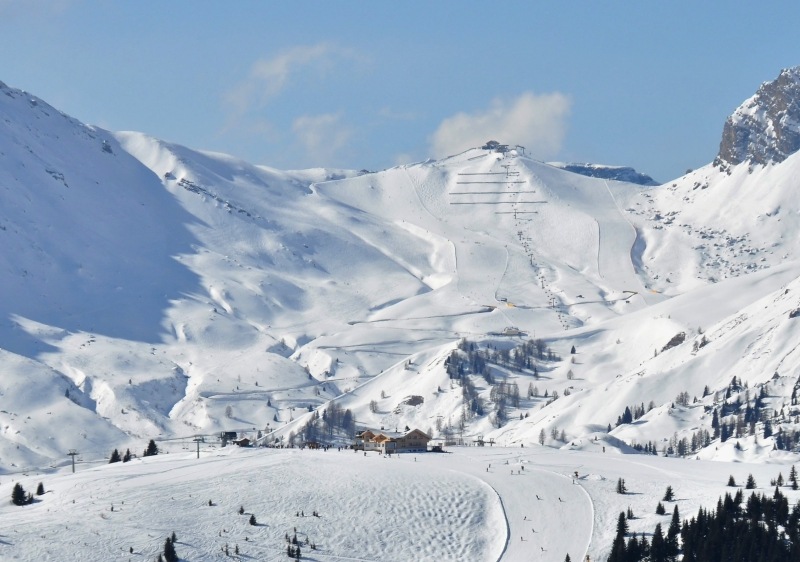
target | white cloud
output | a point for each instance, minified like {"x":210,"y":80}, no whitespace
{"x":404,"y":158}
{"x":323,"y":136}
{"x":537,"y":122}
{"x":268,"y":77}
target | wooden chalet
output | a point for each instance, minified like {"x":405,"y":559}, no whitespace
{"x":388,"y":442}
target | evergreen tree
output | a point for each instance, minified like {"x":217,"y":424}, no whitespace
{"x":669,"y":495}
{"x":633,"y":550}
{"x":621,"y":489}
{"x":731,"y":481}
{"x":658,"y":547}
{"x":572,"y":351}
{"x":751,"y":482}
{"x":127,"y":456}
{"x":715,"y":423}
{"x":152,"y":449}
{"x":660,"y":509}
{"x":627,"y":415}
{"x":622,"y":525}
{"x":673,"y":531}
{"x":618,"y":553}
{"x":114,"y":457}
{"x":253,"y":519}
{"x":793,"y":478}
{"x":567,"y":559}
{"x":18,"y":495}
{"x":40,"y":489}
{"x":169,"y":551}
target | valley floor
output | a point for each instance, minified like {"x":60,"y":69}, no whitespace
{"x":472,"y":503}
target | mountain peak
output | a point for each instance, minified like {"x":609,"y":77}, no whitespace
{"x":766,"y":127}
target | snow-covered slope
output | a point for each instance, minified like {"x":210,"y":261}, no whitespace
{"x":162,"y":292}
{"x":478,"y":504}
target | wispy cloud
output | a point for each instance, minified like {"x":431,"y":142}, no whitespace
{"x":268,"y":77}
{"x":538,"y":122}
{"x":323,"y":136}
{"x":404,"y":158}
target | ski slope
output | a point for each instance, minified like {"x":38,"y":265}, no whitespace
{"x":474,"y":503}
{"x":208,"y":294}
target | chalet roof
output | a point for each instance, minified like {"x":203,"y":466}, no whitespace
{"x":418,"y":432}
{"x":381,"y":436}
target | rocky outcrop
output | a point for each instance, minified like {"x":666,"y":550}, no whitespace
{"x":618,"y":173}
{"x":765,"y":128}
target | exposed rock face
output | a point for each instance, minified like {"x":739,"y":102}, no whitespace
{"x":765,"y":128}
{"x":619,"y":173}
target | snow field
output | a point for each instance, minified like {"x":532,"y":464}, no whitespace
{"x":476,"y":503}
{"x":370,"y":508}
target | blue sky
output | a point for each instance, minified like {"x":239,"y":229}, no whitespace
{"x":369,"y":85}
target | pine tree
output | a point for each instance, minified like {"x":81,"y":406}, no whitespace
{"x":618,"y":553}
{"x":567,"y":559}
{"x":751,"y":482}
{"x":673,"y":531}
{"x":40,"y":489}
{"x":114,"y":457}
{"x":669,"y":495}
{"x":152,"y":450}
{"x":793,"y":478}
{"x":253,"y":519}
{"x":658,"y":548}
{"x":127,"y":456}
{"x":633,"y":549}
{"x":18,"y":495}
{"x":660,"y":509}
{"x":621,"y":489}
{"x":169,"y":551}
{"x":731,"y":481}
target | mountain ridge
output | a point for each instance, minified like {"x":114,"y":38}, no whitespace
{"x":207,"y":293}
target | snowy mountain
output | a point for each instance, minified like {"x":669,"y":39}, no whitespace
{"x":155,"y":291}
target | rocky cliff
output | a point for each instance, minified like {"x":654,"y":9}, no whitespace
{"x":765,"y":128}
